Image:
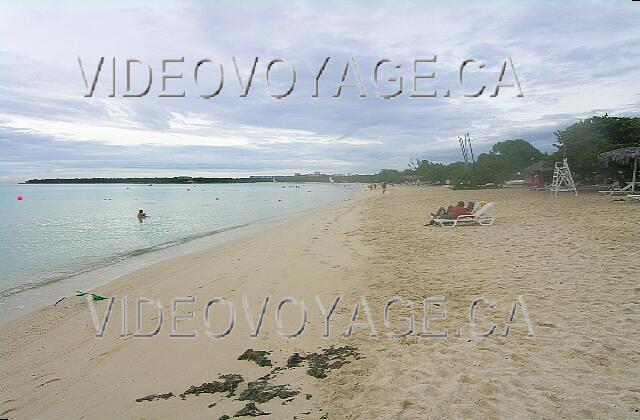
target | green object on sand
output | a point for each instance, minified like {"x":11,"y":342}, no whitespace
{"x":93,"y":295}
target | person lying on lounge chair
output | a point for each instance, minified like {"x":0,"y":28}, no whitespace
{"x":442,"y":213}
{"x":458,"y":210}
{"x":459,"y":215}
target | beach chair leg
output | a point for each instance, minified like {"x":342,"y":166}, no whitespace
{"x":489,"y":221}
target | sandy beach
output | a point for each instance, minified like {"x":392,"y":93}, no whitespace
{"x":573,"y":261}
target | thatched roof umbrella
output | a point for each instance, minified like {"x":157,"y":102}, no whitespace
{"x":538,"y":167}
{"x":623,"y":156}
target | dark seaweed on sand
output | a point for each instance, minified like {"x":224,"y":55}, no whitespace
{"x":250,"y":410}
{"x":229,"y":386}
{"x":258,"y":356}
{"x":294,"y":360}
{"x":155,"y":397}
{"x":322,"y":363}
{"x":262,"y":391}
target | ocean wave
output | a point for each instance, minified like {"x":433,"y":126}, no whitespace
{"x":109,"y":261}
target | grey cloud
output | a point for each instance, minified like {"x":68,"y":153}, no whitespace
{"x":560,"y":51}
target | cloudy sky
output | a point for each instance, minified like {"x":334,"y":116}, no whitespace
{"x":572,"y":59}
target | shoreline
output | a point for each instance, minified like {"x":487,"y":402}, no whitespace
{"x":55,"y":351}
{"x":36,"y":296}
{"x":574,"y":271}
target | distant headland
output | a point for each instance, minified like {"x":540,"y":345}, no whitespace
{"x":316,"y":177}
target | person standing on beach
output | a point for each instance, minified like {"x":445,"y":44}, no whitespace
{"x":384,"y":187}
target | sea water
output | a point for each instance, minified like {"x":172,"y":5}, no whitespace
{"x":60,"y":238}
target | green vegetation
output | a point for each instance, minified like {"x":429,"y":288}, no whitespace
{"x":501,"y":163}
{"x":581,"y":143}
{"x":506,"y":159}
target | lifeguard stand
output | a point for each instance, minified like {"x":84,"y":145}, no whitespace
{"x":562,"y":178}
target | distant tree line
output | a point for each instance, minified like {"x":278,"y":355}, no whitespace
{"x":580,"y":143}
{"x":153,"y":180}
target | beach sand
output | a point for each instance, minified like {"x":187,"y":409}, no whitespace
{"x":573,"y":260}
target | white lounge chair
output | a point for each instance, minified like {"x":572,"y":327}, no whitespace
{"x":634,"y":197}
{"x":625,"y":190}
{"x":478,"y":217}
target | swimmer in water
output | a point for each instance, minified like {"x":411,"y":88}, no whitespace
{"x":141,"y":215}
